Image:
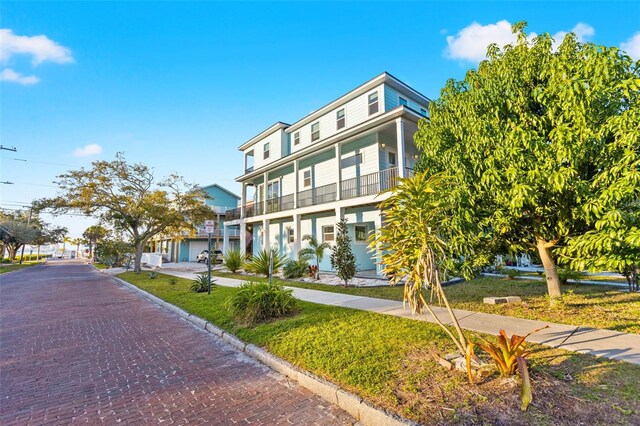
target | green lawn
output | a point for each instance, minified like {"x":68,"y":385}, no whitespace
{"x":388,"y":361}
{"x":100,"y":265}
{"x":8,"y":267}
{"x":585,"y":305}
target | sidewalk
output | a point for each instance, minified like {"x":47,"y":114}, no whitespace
{"x":597,"y":342}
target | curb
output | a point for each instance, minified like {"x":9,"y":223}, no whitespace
{"x":367,"y":413}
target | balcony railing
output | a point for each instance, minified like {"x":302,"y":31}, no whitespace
{"x":279,"y":204}
{"x":232,"y":214}
{"x":218,"y":232}
{"x":370,"y":184}
{"x":319,"y":195}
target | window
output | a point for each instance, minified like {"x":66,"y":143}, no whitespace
{"x":423,"y":112}
{"x":266,"y":151}
{"x":392,"y":159}
{"x":340,"y":122}
{"x":296,"y":138}
{"x":306,"y":178}
{"x":291,"y":235}
{"x":327,"y":233}
{"x":403,"y":101}
{"x":373,"y":103}
{"x":273,"y":189}
{"x":315,"y":131}
{"x":361,"y":233}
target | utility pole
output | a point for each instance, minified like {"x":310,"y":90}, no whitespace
{"x":28,"y":223}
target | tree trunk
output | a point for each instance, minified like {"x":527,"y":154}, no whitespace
{"x":91,"y":248}
{"x":38,"y":255}
{"x":137,"y":265}
{"x":13,"y":250}
{"x":550,"y":271}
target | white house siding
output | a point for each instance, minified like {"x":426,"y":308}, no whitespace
{"x":392,"y":100}
{"x":356,"y":111}
{"x":367,"y":147}
{"x":278,"y":237}
{"x":275,"y":149}
{"x":323,"y":170}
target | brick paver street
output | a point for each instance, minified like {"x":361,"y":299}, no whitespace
{"x":76,"y":347}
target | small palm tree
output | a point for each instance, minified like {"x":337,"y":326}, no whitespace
{"x":315,"y":250}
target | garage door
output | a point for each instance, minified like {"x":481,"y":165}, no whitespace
{"x":195,"y":247}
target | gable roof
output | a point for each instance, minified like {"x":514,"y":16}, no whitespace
{"x":215,"y":185}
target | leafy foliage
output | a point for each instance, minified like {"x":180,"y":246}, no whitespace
{"x":152,"y":275}
{"x":512,"y":274}
{"x":567,"y":274}
{"x":295,"y":268}
{"x":259,"y":264}
{"x":259,"y":302}
{"x":342,"y":258}
{"x":234,"y":260}
{"x":543,"y":146}
{"x":115,"y":252}
{"x":93,"y":234}
{"x":315,"y":250}
{"x":131,"y":199}
{"x":201,"y":283}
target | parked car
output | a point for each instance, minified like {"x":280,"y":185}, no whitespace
{"x":204,"y":256}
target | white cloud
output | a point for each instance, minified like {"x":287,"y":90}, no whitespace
{"x":88,"y":150}
{"x":11,"y":76}
{"x":632,"y":46}
{"x":470,"y":44}
{"x":40,"y":48}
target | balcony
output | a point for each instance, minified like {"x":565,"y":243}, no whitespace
{"x":218,"y":233}
{"x":319,"y":195}
{"x":279,"y":204}
{"x":370,"y":184}
{"x":233,"y":214}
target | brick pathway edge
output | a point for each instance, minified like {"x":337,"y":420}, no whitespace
{"x":367,"y":413}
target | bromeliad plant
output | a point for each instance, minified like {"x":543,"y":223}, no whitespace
{"x":260,"y":263}
{"x":201,"y":283}
{"x":234,"y":259}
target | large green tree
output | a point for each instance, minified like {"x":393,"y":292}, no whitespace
{"x":534,"y":139}
{"x":93,"y":234}
{"x":131,"y":199}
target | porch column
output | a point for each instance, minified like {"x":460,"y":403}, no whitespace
{"x":178,"y":244}
{"x":243,"y":199}
{"x":266,"y":243}
{"x":225,"y":239}
{"x":264,"y":199}
{"x":339,"y":214}
{"x":297,"y":238}
{"x":378,"y":254}
{"x":296,"y":172}
{"x":400,"y":146}
{"x":243,"y":236}
{"x":338,"y":173}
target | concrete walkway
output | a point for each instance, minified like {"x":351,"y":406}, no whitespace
{"x":597,"y":342}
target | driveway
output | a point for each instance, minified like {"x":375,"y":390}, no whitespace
{"x":77,"y":347}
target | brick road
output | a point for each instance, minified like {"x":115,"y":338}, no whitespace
{"x":77,"y":347}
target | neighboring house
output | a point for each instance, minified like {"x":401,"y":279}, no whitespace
{"x":301,"y":178}
{"x":187,"y":248}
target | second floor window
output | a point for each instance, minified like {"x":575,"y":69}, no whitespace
{"x":373,"y":103}
{"x":340,"y":121}
{"x":266,"y":151}
{"x":292,"y":237}
{"x":306,"y":178}
{"x":403,"y":101}
{"x":315,"y":131}
{"x":296,"y":138}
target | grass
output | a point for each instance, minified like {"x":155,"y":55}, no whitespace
{"x":388,"y":360}
{"x":100,"y":265}
{"x":584,"y":305}
{"x":8,"y":267}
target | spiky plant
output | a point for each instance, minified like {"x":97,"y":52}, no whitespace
{"x":314,"y":251}
{"x":259,"y":264}
{"x":234,"y":259}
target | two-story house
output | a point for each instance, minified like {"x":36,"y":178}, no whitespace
{"x":187,"y":248}
{"x":302,"y":178}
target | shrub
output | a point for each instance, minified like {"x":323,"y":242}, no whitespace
{"x":152,"y":275}
{"x":295,"y":268}
{"x":568,"y":274}
{"x":234,"y":260}
{"x":342,"y":258}
{"x":259,"y":302}
{"x":511,"y":274}
{"x":173,"y":281}
{"x":260,"y":262}
{"x":201,"y":283}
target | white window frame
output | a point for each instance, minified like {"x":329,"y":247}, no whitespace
{"x":266,"y":151}
{"x":291,"y":236}
{"x":364,"y":230}
{"x":325,"y":232}
{"x":306,"y":184}
{"x":315,"y":135}
{"x":296,"y":138}
{"x":341,"y":122}
{"x":373,"y":103}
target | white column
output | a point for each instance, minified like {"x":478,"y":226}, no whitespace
{"x":243,"y":236}
{"x":338,"y":173}
{"x":378,"y":253}
{"x":264,"y":199}
{"x":225,"y":240}
{"x":339,"y":214}
{"x":243,"y":199}
{"x":296,"y":173}
{"x":297,"y":229}
{"x":266,"y":243}
{"x":400,"y":146}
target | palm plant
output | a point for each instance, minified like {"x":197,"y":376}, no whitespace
{"x":315,"y":250}
{"x":234,"y":259}
{"x":260,"y":263}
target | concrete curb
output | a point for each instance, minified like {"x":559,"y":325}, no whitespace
{"x":367,"y":413}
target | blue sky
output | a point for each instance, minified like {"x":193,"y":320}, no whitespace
{"x":180,"y":86}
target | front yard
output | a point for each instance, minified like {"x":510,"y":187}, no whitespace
{"x":584,"y":305}
{"x":8,"y":267}
{"x":388,"y":360}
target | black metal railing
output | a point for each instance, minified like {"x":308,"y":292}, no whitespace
{"x":232,"y":214}
{"x":319,"y":195}
{"x":370,"y":184}
{"x":249,"y":210}
{"x":279,"y":204}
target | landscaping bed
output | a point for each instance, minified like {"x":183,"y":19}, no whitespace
{"x":584,"y":305}
{"x":388,"y":360}
{"x":8,"y":267}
